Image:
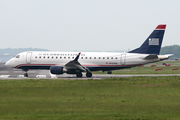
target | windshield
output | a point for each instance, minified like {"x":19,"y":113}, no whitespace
{"x":17,"y":56}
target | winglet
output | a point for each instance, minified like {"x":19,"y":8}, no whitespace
{"x":77,"y":57}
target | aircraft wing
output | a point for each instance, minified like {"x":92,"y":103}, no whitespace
{"x":75,"y":65}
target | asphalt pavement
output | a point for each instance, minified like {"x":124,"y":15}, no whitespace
{"x":12,"y":73}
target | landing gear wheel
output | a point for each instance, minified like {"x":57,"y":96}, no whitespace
{"x":88,"y":74}
{"x":25,"y":75}
{"x":109,"y":72}
{"x":79,"y":74}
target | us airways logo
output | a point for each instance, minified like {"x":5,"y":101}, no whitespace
{"x":153,"y":41}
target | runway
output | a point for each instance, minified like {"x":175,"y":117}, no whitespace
{"x":10,"y":73}
{"x":73,"y":77}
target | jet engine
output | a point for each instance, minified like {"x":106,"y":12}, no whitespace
{"x":56,"y":70}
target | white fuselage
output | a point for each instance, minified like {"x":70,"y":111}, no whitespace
{"x":76,"y":63}
{"x":94,"y":61}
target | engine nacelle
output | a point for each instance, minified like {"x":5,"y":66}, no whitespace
{"x":56,"y":70}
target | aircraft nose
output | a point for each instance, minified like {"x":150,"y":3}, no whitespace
{"x":7,"y":63}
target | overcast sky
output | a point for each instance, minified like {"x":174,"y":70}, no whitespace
{"x":103,"y":25}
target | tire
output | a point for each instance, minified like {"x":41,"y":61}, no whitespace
{"x":25,"y":75}
{"x":88,"y":74}
{"x":109,"y":72}
{"x":79,"y":74}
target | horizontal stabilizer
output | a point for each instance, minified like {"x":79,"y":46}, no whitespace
{"x":151,"y":56}
{"x":164,"y":57}
{"x":160,"y":57}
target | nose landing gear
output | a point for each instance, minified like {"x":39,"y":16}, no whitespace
{"x":25,"y":74}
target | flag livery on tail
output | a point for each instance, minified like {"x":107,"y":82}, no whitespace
{"x":152,"y":45}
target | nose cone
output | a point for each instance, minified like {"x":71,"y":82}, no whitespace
{"x":7,"y":63}
{"x":10,"y":63}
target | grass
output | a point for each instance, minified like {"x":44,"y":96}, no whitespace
{"x":147,"y":69}
{"x":111,"y":98}
{"x":166,"y":61}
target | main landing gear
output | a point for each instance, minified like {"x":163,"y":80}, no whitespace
{"x":79,"y":74}
{"x":109,"y":72}
{"x":88,"y":74}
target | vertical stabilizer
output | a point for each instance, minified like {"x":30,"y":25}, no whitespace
{"x":152,"y":45}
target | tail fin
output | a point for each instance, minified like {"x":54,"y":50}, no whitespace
{"x":152,"y":45}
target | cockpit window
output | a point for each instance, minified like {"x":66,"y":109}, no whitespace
{"x":17,"y":56}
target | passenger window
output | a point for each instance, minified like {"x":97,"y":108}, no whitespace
{"x":81,"y":57}
{"x":56,"y":57}
{"x":44,"y":57}
{"x":39,"y":56}
{"x":94,"y":57}
{"x":107,"y":57}
{"x":99,"y":57}
{"x":112,"y":58}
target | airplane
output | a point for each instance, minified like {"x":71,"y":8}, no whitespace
{"x":76,"y":63}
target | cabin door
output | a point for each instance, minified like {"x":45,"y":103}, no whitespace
{"x":28,"y":57}
{"x":123,"y":59}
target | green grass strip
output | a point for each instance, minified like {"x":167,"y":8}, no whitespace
{"x":107,"y":99}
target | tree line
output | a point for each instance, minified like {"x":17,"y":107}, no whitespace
{"x":172,"y":49}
